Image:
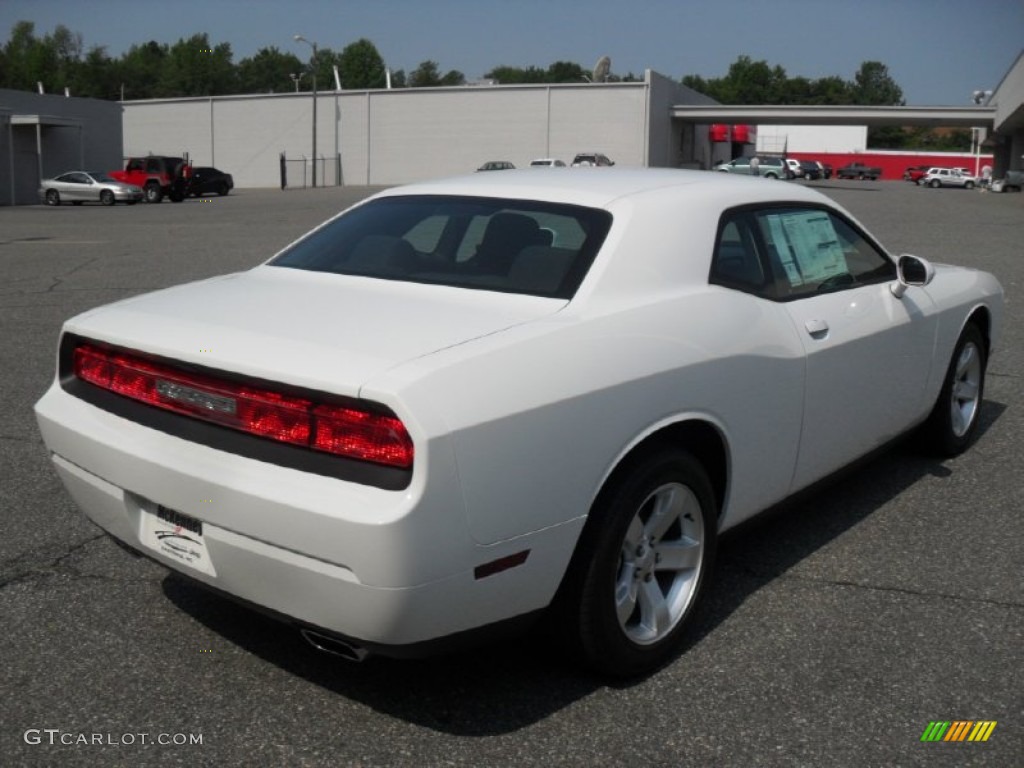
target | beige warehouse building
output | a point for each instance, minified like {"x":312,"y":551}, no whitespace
{"x":410,"y":134}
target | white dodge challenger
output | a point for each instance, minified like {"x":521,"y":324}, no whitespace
{"x":463,"y":403}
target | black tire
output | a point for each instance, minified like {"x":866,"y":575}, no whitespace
{"x":953,"y":423}
{"x":153,"y":192}
{"x":76,"y":202}
{"x":52,"y":197}
{"x":176,"y":197}
{"x":222,"y":189}
{"x":934,"y":183}
{"x":624,"y":609}
{"x":107,"y":197}
{"x":968,"y":185}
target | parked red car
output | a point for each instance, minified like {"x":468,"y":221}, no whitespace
{"x":158,"y":176}
{"x":915,"y":172}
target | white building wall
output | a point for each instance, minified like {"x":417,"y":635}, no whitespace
{"x":168,"y":128}
{"x":423,"y":133}
{"x":609,"y":119}
{"x":401,"y":135}
{"x":812,"y":138}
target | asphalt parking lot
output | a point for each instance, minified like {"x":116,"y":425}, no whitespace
{"x":838,"y":627}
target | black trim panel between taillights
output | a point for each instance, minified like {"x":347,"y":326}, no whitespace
{"x":225,"y":438}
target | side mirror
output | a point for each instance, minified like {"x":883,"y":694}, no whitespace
{"x":911,"y":270}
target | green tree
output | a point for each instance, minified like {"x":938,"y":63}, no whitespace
{"x":194,"y":67}
{"x":97,"y":76}
{"x":453,"y":77}
{"x":565,"y":72}
{"x":29,"y":60}
{"x":427,"y":74}
{"x":872,"y":85}
{"x":830,"y":90}
{"x":746,"y":82}
{"x":361,"y":66}
{"x":506,"y":75}
{"x":142,"y":69}
{"x":268,"y":71}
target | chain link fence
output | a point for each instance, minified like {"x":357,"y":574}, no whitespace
{"x":297,"y":172}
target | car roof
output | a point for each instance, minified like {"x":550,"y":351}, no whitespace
{"x":601,"y":190}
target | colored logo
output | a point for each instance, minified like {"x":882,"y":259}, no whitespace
{"x":958,"y":730}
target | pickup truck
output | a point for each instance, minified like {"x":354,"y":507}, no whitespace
{"x":858,"y":171}
{"x":158,"y":176}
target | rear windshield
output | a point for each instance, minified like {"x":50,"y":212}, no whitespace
{"x":513,"y":246}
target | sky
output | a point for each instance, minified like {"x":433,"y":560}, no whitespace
{"x":938,"y":51}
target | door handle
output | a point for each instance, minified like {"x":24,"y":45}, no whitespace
{"x":818,"y":329}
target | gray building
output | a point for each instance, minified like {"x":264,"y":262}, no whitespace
{"x":44,"y":135}
{"x":410,"y":134}
{"x":1008,"y":139}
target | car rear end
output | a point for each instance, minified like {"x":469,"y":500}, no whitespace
{"x":227,"y":430}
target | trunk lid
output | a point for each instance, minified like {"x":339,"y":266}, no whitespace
{"x":322,"y":331}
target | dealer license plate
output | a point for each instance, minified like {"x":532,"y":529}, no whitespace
{"x":178,"y":537}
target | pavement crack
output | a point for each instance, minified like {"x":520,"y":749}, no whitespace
{"x":23,"y":568}
{"x":19,"y":439}
{"x":901,"y":590}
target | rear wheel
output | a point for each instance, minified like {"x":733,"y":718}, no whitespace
{"x":52,"y":197}
{"x":642,"y":563}
{"x":107,"y":197}
{"x":953,"y":422}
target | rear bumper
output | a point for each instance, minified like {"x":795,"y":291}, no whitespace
{"x":129,"y":195}
{"x":382,"y":568}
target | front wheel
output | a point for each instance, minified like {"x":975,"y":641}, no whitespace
{"x":642,"y":563}
{"x":934,"y":184}
{"x":153,"y":193}
{"x":953,"y":422}
{"x":969,"y":185}
{"x":107,"y":197}
{"x":52,"y":197}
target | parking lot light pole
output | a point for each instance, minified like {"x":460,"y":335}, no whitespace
{"x":301,"y":39}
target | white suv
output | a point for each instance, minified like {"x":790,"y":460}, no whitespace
{"x":947,"y":177}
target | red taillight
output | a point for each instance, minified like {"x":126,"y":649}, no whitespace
{"x":370,"y":436}
{"x":344,"y":431}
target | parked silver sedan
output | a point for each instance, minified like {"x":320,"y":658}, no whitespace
{"x":77,"y":187}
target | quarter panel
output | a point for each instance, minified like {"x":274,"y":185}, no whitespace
{"x":540,"y":415}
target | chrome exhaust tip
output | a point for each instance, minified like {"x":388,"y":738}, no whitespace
{"x":334,"y":645}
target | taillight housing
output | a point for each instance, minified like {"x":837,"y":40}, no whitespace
{"x":350,"y":430}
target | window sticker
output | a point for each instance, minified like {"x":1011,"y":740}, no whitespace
{"x":808,"y":246}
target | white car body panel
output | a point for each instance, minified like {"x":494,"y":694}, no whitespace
{"x":327,"y":334}
{"x":519,"y":407}
{"x":874,"y":345}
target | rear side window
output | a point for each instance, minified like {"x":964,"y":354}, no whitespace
{"x":512,"y":246}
